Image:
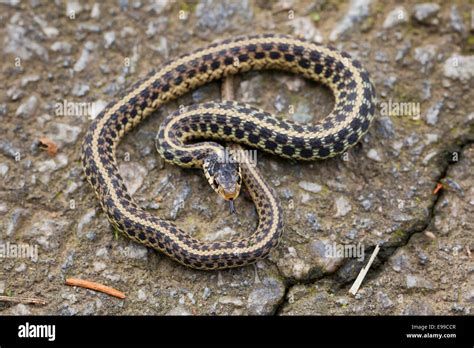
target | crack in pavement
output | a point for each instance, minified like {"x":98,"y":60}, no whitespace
{"x":386,"y":251}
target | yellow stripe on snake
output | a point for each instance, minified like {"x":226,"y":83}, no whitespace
{"x":228,"y":122}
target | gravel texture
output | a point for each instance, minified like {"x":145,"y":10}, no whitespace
{"x":380,"y":192}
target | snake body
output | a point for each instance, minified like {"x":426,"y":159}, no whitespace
{"x":227,"y":121}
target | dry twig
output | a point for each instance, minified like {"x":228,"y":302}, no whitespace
{"x":355,"y":287}
{"x":95,"y":286}
{"x":438,"y":187}
{"x":17,"y":299}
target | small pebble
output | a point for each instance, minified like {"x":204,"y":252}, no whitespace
{"x":374,"y":155}
{"x":343,"y":207}
{"x":425,"y":12}
{"x":310,"y":186}
{"x":396,"y":17}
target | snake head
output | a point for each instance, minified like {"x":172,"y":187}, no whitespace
{"x":224,"y":177}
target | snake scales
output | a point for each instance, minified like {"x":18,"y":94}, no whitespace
{"x":225,"y":121}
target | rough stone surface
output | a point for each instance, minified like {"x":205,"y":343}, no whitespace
{"x":425,"y":12}
{"x":379,"y":192}
{"x":426,"y":276}
{"x":358,"y":10}
{"x":396,"y":17}
{"x":459,"y":67}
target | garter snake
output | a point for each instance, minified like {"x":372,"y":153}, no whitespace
{"x":226,"y":121}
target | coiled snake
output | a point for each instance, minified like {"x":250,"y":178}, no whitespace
{"x":230,"y":122}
